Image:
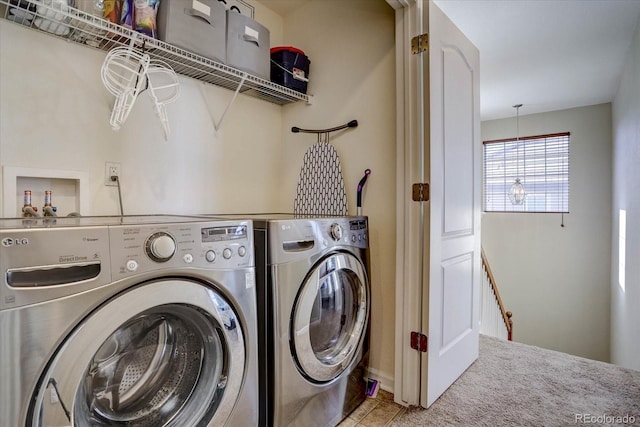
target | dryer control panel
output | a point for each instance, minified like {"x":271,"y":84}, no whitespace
{"x":292,"y":239}
{"x":210,"y":245}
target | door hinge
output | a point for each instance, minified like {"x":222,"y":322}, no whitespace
{"x":419,"y":342}
{"x":420,"y":192}
{"x":420,"y":43}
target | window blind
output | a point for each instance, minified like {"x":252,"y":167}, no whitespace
{"x":542,"y":164}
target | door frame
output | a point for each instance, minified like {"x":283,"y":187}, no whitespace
{"x":414,"y":238}
{"x":410,"y":215}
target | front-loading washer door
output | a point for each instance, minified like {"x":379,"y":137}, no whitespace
{"x":330,"y":316}
{"x":165,"y":353}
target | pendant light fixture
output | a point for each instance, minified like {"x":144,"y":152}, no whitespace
{"x":516,"y":192}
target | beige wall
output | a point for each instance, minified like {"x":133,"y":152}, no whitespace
{"x":556,"y":280}
{"x":352,"y":76}
{"x":54,"y":114}
{"x":625,"y":315}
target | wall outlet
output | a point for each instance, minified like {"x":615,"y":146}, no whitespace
{"x":111,"y":169}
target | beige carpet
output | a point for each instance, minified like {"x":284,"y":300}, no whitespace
{"x":515,"y":384}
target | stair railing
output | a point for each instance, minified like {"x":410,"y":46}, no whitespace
{"x":494,"y":319}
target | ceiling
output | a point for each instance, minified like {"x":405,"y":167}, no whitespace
{"x":545,"y":54}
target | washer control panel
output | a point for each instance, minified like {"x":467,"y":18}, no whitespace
{"x":160,"y":246}
{"x":136,"y":249}
{"x":43,"y":264}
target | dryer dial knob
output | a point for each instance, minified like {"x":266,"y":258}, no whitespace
{"x":161,"y":247}
{"x":335,"y":231}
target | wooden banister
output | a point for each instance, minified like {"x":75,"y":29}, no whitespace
{"x":506,"y":315}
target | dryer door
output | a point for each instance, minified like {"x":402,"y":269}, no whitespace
{"x":165,"y":353}
{"x":330,"y":317}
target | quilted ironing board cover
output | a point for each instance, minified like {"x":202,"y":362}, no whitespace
{"x":321,"y":187}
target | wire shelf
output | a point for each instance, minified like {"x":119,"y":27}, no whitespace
{"x":57,"y":20}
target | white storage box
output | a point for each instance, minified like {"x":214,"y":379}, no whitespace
{"x":198,"y":26}
{"x":247,"y":45}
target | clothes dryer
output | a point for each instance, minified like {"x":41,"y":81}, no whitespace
{"x":138,"y":321}
{"x":313,"y":314}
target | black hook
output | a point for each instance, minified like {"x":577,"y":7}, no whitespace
{"x":351,"y":124}
{"x":367,"y":172}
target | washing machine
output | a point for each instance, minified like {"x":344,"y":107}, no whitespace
{"x":132,"y":320}
{"x":313,"y":313}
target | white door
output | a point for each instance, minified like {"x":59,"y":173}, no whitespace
{"x":439,"y":246}
{"x":452,"y":319}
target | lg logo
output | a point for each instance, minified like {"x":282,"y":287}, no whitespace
{"x":7,"y":242}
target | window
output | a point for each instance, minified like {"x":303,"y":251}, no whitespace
{"x":542,"y":164}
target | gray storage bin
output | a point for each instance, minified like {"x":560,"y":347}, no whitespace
{"x":247,"y":45}
{"x":198,"y":26}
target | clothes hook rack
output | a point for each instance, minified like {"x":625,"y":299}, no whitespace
{"x":351,"y":124}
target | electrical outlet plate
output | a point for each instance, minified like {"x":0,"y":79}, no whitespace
{"x":111,"y":169}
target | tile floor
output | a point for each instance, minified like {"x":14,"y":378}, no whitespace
{"x":374,"y":412}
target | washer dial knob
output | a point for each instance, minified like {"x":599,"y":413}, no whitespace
{"x":161,"y":247}
{"x":335,"y":231}
{"x":132,"y":265}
